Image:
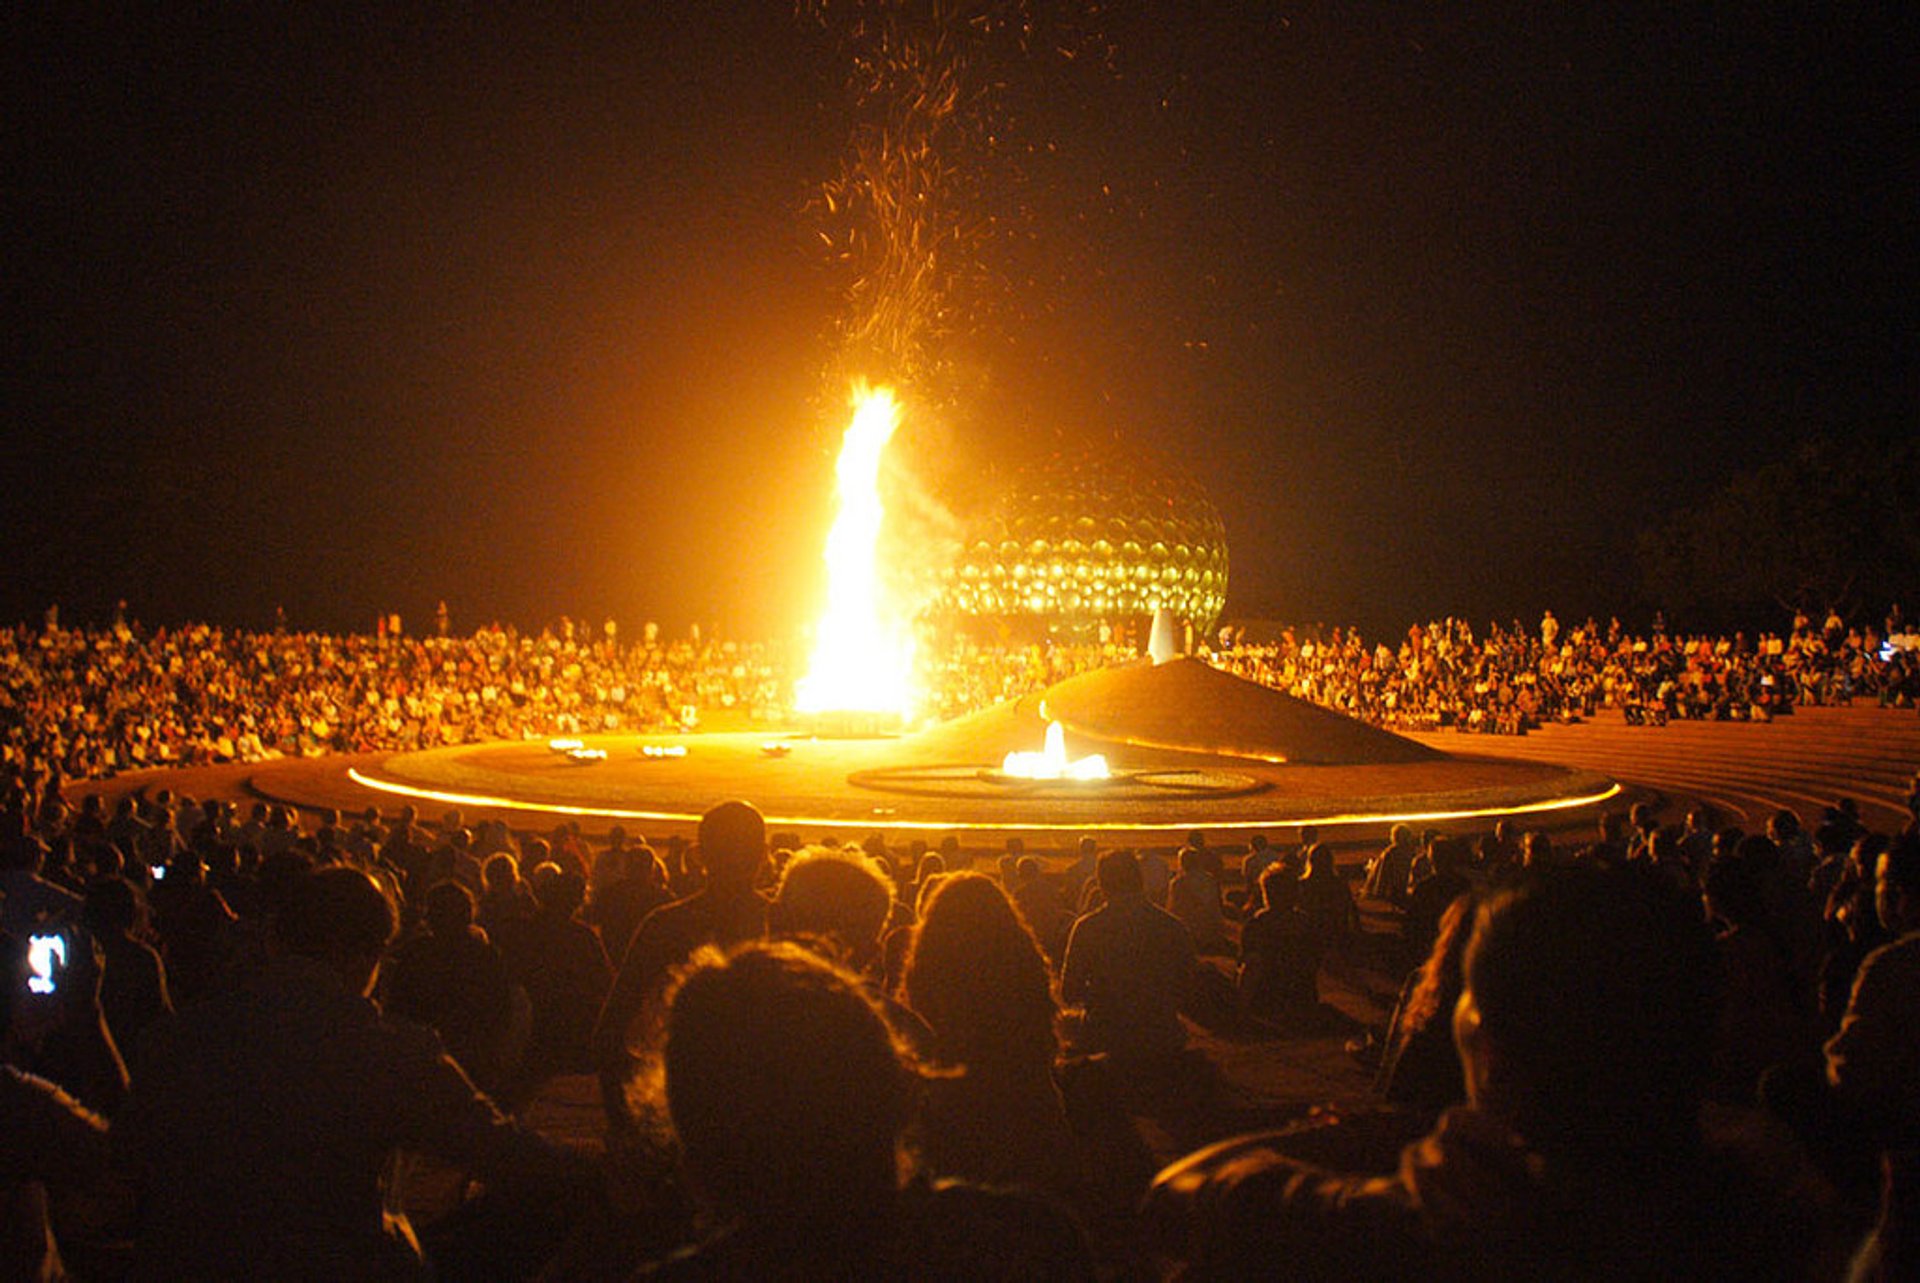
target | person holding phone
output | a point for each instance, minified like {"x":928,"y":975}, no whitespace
{"x":28,"y":898}
{"x":55,"y":1029}
{"x":262,"y":1119}
{"x":48,"y":1140}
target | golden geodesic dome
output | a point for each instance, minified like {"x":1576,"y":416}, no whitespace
{"x":1078,"y":537}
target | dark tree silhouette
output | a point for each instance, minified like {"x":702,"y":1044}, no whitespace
{"x":1835,"y":525}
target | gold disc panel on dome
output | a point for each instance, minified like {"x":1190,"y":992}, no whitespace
{"x":1078,"y":538}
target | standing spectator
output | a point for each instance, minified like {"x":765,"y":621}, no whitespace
{"x":1696,"y":839}
{"x":1155,"y":877}
{"x":836,"y":900}
{"x":631,"y":883}
{"x":727,"y":910}
{"x":451,"y":977}
{"x":127,"y":831}
{"x":50,"y":1144}
{"x":407,"y":853}
{"x":504,"y":897}
{"x":1853,"y":928}
{"x":1420,"y":1068}
{"x":1129,"y":965}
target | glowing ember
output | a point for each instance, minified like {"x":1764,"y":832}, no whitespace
{"x":862,"y":656}
{"x":1051,"y":763}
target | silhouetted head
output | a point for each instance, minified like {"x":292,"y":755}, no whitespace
{"x":1451,"y":855}
{"x":1119,"y":876}
{"x":16,"y":852}
{"x":337,"y":915}
{"x":500,"y":875}
{"x":1589,"y":1012}
{"x":733,"y":843}
{"x":1896,"y":885}
{"x":448,"y":909}
{"x":1271,"y":879}
{"x":113,"y":907}
{"x":839,"y":895}
{"x":1735,"y":885}
{"x":560,"y":892}
{"x":977,"y":976}
{"x":1320,"y":861}
{"x":785,"y":1088}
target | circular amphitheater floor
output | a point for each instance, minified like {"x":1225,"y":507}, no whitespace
{"x":1188,"y":746}
{"x":1556,"y":778}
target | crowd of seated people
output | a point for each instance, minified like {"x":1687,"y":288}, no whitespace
{"x":1514,"y":678}
{"x":1674,"y":1049}
{"x":89,"y":702}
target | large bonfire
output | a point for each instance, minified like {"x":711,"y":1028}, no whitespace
{"x":863,"y":649}
{"x":928,"y":185}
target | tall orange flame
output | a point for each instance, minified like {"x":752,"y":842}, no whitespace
{"x":862,"y":652}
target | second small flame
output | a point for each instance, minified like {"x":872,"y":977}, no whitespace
{"x":1052,"y":763}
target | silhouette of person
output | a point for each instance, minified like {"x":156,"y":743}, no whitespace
{"x":262,"y":1119}
{"x":727,"y":910}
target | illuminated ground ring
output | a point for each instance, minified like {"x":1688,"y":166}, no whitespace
{"x":973,"y":783}
{"x":1604,"y":791}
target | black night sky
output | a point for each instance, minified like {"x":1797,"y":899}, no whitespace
{"x":350,"y":310}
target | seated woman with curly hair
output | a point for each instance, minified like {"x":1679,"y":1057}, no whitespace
{"x":977,"y":976}
{"x":787,"y":1092}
